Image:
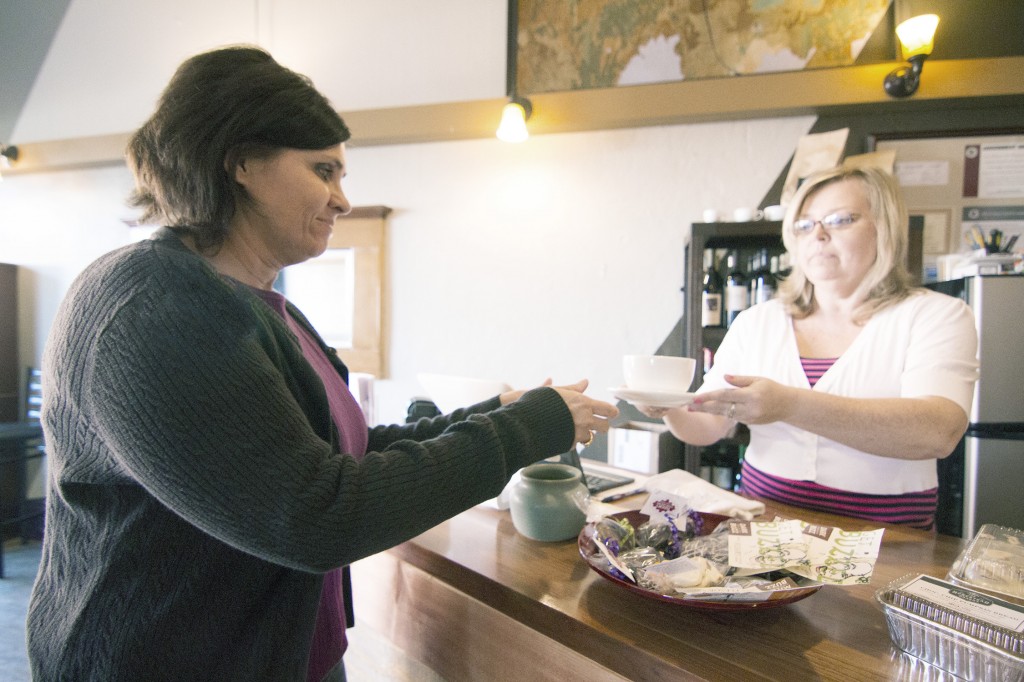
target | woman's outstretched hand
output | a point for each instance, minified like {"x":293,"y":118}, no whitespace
{"x":589,"y":415}
{"x":652,"y":411}
{"x":755,"y":400}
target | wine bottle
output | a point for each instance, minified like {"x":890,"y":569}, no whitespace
{"x":737,"y":298}
{"x":722,"y":472}
{"x":753,"y":266}
{"x":711,"y":293}
{"x":784,"y":268}
{"x":707,"y":463}
{"x":764,"y":281}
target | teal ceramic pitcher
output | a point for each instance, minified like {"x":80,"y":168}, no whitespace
{"x":548,"y":502}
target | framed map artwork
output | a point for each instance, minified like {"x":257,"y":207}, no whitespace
{"x":577,"y":44}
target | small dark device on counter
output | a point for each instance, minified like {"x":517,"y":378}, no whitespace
{"x":595,"y":482}
{"x":420,"y":408}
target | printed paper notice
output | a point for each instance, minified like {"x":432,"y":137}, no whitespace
{"x":814,"y":152}
{"x":922,"y":173}
{"x":994,"y":171}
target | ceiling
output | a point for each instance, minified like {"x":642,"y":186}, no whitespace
{"x":26,"y":31}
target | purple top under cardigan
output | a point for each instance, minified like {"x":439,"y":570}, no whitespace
{"x":329,"y":640}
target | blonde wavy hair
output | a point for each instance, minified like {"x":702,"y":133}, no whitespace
{"x":887,"y":281}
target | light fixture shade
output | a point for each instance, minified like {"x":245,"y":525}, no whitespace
{"x":513,"y":123}
{"x":8,"y":154}
{"x":917,"y":35}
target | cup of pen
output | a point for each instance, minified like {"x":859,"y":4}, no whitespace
{"x":994,"y":244}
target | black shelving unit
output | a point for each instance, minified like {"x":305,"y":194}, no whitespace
{"x":745,"y":239}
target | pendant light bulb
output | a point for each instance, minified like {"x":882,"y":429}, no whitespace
{"x":513,"y":121}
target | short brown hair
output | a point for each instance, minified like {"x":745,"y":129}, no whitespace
{"x":218,"y":106}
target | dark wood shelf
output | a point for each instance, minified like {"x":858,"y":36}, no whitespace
{"x":742,"y":237}
{"x":745,"y":238}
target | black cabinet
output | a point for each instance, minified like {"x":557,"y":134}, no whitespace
{"x":10,"y":370}
{"x":719,"y":462}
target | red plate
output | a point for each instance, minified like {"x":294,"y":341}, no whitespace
{"x":588,"y":548}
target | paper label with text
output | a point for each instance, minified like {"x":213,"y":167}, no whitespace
{"x":822,"y":553}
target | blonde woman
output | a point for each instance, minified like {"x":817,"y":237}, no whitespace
{"x":852,"y":382}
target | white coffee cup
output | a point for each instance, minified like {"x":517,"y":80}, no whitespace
{"x":745,"y":215}
{"x":658,"y":372}
{"x":710,"y":215}
{"x":775,"y":212}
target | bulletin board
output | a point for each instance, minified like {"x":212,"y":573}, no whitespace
{"x":954,"y":183}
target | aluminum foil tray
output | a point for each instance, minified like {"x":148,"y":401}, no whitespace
{"x":966,"y":633}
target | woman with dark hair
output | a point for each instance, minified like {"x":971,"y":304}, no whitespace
{"x":852,"y":382}
{"x":210,"y":473}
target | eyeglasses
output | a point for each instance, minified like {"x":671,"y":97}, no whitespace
{"x":831,"y":222}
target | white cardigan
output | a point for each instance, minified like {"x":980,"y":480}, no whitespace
{"x":926,"y":345}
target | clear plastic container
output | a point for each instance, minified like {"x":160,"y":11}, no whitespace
{"x":993,"y":562}
{"x":933,"y":626}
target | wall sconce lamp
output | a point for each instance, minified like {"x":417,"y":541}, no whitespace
{"x":514,"y":116}
{"x":917,"y":38}
{"x":8,"y":153}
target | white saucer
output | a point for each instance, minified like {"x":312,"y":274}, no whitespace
{"x":653,"y":398}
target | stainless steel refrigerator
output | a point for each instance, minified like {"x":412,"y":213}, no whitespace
{"x":988,"y":466}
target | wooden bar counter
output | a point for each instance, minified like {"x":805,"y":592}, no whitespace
{"x":474,"y":600}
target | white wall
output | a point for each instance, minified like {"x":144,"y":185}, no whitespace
{"x":53,"y":225}
{"x":554,"y":257}
{"x":110,"y":60}
{"x":516,"y":262}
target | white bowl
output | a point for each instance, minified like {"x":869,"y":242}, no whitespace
{"x":658,"y":372}
{"x":452,"y":392}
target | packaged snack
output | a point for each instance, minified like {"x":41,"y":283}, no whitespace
{"x":962,"y":631}
{"x":993,"y":562}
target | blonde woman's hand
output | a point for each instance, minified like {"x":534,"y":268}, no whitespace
{"x":651,"y":411}
{"x":754,"y":400}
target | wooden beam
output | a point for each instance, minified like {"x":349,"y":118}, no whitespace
{"x":855,"y":89}
{"x":790,"y":93}
{"x":78,"y":152}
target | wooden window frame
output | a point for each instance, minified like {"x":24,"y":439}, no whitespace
{"x":364,"y":230}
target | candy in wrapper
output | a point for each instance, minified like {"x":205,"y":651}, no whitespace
{"x":671,"y":576}
{"x":662,"y":536}
{"x":641,"y":557}
{"x":653,"y":534}
{"x":617,"y":535}
{"x":714,"y":546}
{"x":615,"y":567}
{"x":694,"y":523}
{"x":671,"y":521}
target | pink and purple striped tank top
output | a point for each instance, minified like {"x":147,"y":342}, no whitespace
{"x":915,"y":509}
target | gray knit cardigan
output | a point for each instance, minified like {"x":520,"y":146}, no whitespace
{"x":196,"y":494}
